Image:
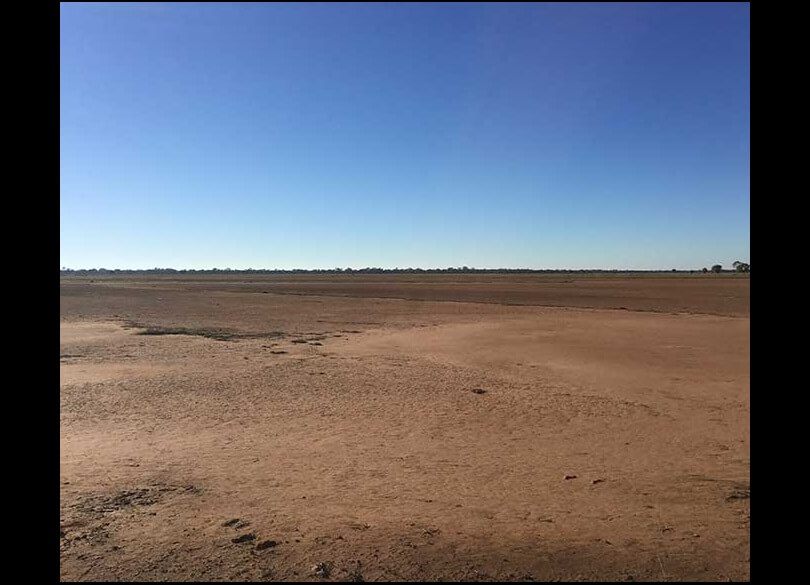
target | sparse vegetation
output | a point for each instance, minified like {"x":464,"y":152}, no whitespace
{"x":741,"y":266}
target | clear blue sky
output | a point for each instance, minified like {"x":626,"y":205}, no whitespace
{"x":396,"y":135}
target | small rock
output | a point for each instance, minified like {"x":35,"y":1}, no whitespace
{"x":266,"y":544}
{"x":595,"y":481}
{"x":321,"y":570}
{"x":244,"y":538}
{"x":230,"y":522}
{"x":479,"y":391}
{"x":569,"y":477}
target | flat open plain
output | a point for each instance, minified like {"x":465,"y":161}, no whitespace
{"x":405,"y":427}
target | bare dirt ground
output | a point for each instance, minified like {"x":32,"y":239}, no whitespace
{"x":380,"y":429}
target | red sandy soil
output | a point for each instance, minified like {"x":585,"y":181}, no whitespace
{"x":344,"y":436}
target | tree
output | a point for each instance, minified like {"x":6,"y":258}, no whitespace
{"x":717,"y":268}
{"x":741,"y":266}
{"x":705,"y":270}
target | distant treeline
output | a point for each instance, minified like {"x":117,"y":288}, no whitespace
{"x":460,"y":270}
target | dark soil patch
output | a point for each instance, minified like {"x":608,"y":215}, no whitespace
{"x":739,"y":494}
{"x":210,"y":333}
{"x":244,"y":538}
{"x":105,"y":504}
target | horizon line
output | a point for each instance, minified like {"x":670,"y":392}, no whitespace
{"x":376,"y":269}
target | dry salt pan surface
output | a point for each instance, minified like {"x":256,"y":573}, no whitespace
{"x":264,"y":436}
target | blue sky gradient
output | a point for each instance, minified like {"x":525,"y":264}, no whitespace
{"x":396,"y":135}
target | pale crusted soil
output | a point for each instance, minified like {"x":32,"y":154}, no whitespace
{"x":384,"y":439}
